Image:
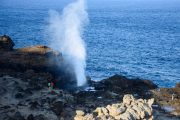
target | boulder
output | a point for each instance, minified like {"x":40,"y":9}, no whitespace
{"x":18,"y":116}
{"x":40,"y":117}
{"x":6,"y":43}
{"x":128,"y":99}
{"x":80,"y":113}
{"x":57,"y":107}
{"x":119,"y":84}
{"x":30,"y":117}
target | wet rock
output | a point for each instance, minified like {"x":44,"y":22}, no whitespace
{"x":6,"y":43}
{"x":121,"y":84}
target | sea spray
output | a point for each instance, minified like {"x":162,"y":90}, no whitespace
{"x":66,"y":34}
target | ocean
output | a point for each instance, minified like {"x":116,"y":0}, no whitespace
{"x":133,"y":38}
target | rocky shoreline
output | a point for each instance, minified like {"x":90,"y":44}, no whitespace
{"x":25,"y":95}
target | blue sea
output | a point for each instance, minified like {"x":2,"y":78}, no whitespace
{"x":134,"y":38}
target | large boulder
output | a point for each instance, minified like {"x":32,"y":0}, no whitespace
{"x":6,"y":43}
{"x":118,"y":83}
{"x":57,"y":107}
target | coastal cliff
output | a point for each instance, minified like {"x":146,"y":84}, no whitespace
{"x":25,"y":94}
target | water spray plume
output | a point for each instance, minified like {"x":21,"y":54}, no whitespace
{"x":66,"y":31}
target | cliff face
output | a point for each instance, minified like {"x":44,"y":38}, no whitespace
{"x":37,"y":58}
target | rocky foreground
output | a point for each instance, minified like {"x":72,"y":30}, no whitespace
{"x":25,"y":94}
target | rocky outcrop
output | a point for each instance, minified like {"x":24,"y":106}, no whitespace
{"x":21,"y":100}
{"x":168,"y":99}
{"x":37,"y":58}
{"x":120,"y":83}
{"x":26,"y":72}
{"x":6,"y":43}
{"x":129,"y":109}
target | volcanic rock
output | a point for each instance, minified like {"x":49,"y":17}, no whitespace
{"x":30,"y":117}
{"x":33,"y":60}
{"x":57,"y":107}
{"x":40,"y":117}
{"x":19,"y":96}
{"x":18,"y":116}
{"x":26,"y":72}
{"x":6,"y":43}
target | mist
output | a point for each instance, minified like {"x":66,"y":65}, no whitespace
{"x":66,"y":31}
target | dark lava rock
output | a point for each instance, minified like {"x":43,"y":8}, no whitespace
{"x":39,"y":117}
{"x":34,"y":60}
{"x":57,"y":107}
{"x":19,"y":89}
{"x":43,"y":101}
{"x":19,"y":96}
{"x":6,"y":43}
{"x":28,"y":91}
{"x":34,"y":105}
{"x":2,"y":91}
{"x":5,"y":107}
{"x":18,"y":116}
{"x":119,"y":83}
{"x":30,"y":117}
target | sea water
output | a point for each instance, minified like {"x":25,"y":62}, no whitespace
{"x":134,"y":38}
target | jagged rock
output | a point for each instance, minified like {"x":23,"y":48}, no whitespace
{"x":78,"y":118}
{"x":34,"y":105}
{"x":80,"y":113}
{"x":99,"y":111}
{"x":105,"y":111}
{"x":18,"y":116}
{"x":38,"y":59}
{"x":121,"y":110}
{"x":19,"y":95}
{"x":87,"y":117}
{"x":6,"y":43}
{"x":128,"y":99}
{"x":57,"y":107}
{"x":39,"y":117}
{"x":119,"y":83}
{"x":30,"y":117}
{"x":130,"y":109}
